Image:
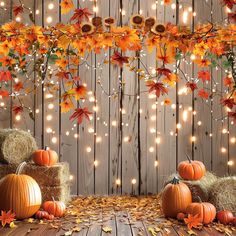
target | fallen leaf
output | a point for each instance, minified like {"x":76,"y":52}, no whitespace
{"x":107,"y":229}
{"x":190,"y":232}
{"x":12,"y":225}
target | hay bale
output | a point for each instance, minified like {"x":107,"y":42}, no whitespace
{"x":59,"y":193}
{"x":44,"y":176}
{"x":223,"y":194}
{"x":198,"y":187}
{"x":16,"y":146}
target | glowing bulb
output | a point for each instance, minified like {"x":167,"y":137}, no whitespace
{"x":123,"y":12}
{"x":49,"y":19}
{"x":173,"y":6}
{"x":154,"y":6}
{"x":50,"y":6}
{"x":92,"y":99}
{"x":230,"y":163}
{"x":194,"y":113}
{"x":178,"y":126}
{"x":151,"y":149}
{"x":95,"y":9}
{"x":192,"y":57}
{"x":173,"y":106}
{"x":152,"y":130}
{"x":18,"y":18}
{"x":50,"y":106}
{"x":185,"y":17}
{"x":18,"y":117}
{"x":54,"y":139}
{"x":88,"y":149}
{"x":223,"y":150}
{"x":233,"y":140}
{"x":95,"y":108}
{"x":190,"y":9}
{"x":76,"y":135}
{"x":49,"y":117}
{"x":228,"y":10}
{"x":153,"y":118}
{"x":224,"y":131}
{"x":90,"y":130}
{"x":2,"y":4}
{"x":171,"y":133}
{"x":133,"y":181}
{"x":156,"y":163}
{"x":194,"y":13}
{"x":114,"y":123}
{"x":71,"y":177}
{"x":199,"y":123}
{"x":151,"y":96}
{"x":37,"y":111}
{"x":193,"y":139}
{"x":185,"y":115}
{"x":98,"y":139}
{"x":49,"y":130}
{"x":158,"y":140}
{"x":118,"y":182}
{"x":2,"y":104}
{"x":126,"y":139}
{"x":67,"y":133}
{"x":16,"y":80}
{"x":95,"y":163}
{"x":48,"y":95}
{"x":123,"y":111}
{"x":37,"y":12}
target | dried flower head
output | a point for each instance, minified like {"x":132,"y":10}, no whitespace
{"x":159,"y":28}
{"x":87,"y":28}
{"x":137,"y":20}
{"x":97,"y":21}
{"x":109,"y":21}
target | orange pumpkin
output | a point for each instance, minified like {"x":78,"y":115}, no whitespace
{"x":176,"y":197}
{"x":55,"y":208}
{"x":233,"y":222}
{"x":191,"y":170}
{"x":20,"y":194}
{"x":225,"y":217}
{"x":205,"y":210}
{"x":45,"y":157}
{"x":41,"y":214}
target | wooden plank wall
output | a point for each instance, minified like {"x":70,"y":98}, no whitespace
{"x":132,"y":135}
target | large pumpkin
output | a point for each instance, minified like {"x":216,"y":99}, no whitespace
{"x":191,"y":170}
{"x":20,"y":194}
{"x":176,"y":197}
{"x":205,"y":210}
{"x":45,"y":157}
{"x":56,"y":208}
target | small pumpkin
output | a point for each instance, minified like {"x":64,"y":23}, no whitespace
{"x":20,"y":194}
{"x":41,"y":215}
{"x":205,"y":210}
{"x":176,"y":196}
{"x":180,"y":216}
{"x":191,"y":170}
{"x":225,"y":216}
{"x":56,"y":208}
{"x":45,"y":157}
{"x":50,"y":217}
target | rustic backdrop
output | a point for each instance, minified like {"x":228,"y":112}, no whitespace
{"x":132,"y":135}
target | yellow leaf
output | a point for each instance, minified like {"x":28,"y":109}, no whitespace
{"x":12,"y":225}
{"x":68,"y":233}
{"x":30,"y":220}
{"x":66,"y":6}
{"x":152,"y":231}
{"x":107,"y":229}
{"x":78,"y":221}
{"x":190,"y":232}
{"x":76,"y":229}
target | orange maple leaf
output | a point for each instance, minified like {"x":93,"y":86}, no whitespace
{"x":66,"y":106}
{"x":193,"y":221}
{"x":80,"y":92}
{"x":202,"y":62}
{"x":157,"y":87}
{"x":6,"y":217}
{"x":204,"y":75}
{"x":81,"y":14}
{"x":4,"y":93}
{"x":18,"y":86}
{"x":203,"y":94}
{"x":66,"y":6}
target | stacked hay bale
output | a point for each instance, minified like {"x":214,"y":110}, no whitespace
{"x":17,"y":146}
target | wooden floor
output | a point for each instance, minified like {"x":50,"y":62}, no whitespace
{"x":113,"y":215}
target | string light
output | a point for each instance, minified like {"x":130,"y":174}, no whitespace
{"x":151,"y":149}
{"x":156,"y":163}
{"x":2,"y":4}
{"x":233,"y":140}
{"x":230,"y":163}
{"x":95,"y":163}
{"x":49,"y":19}
{"x":18,"y":117}
{"x":50,"y":6}
{"x":133,"y":181}
{"x":223,"y":150}
{"x":54,"y":139}
{"x":118,"y":182}
{"x":88,"y":149}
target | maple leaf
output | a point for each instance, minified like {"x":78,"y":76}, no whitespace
{"x":163,"y":71}
{"x":17,"y":109}
{"x":202,"y":62}
{"x":66,"y":6}
{"x":66,"y":106}
{"x":232,"y":16}
{"x":80,"y":92}
{"x":192,"y":86}
{"x":80,"y":114}
{"x":81,"y":14}
{"x":18,"y":86}
{"x":166,"y":2}
{"x":228,"y":81}
{"x":4,"y":93}
{"x":17,"y":10}
{"x":63,"y":75}
{"x":158,"y":87}
{"x":203,"y":94}
{"x":232,"y":114}
{"x":192,"y":221}
{"x":5,"y":76}
{"x":204,"y":75}
{"x":7,"y":217}
{"x":228,"y":102}
{"x":118,"y":59}
{"x":228,"y":3}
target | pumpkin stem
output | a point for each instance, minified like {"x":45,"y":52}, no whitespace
{"x":199,"y":199}
{"x":175,"y":180}
{"x":189,"y":159}
{"x":53,"y":199}
{"x":46,"y":148}
{"x":20,"y":168}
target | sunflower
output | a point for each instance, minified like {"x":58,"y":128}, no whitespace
{"x":158,"y":29}
{"x":137,"y":21}
{"x":87,"y":28}
{"x":109,"y":21}
{"x":97,"y":21}
{"x":149,"y":23}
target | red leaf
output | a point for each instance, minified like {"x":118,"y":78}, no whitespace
{"x":228,"y":3}
{"x":163,"y":71}
{"x":81,"y":14}
{"x":228,"y":81}
{"x":5,"y":76}
{"x":17,"y":109}
{"x":232,"y":114}
{"x":118,"y":59}
{"x":157,"y":87}
{"x":63,"y":75}
{"x":204,"y":75}
{"x":6,"y":217}
{"x":228,"y":102}
{"x":80,"y":114}
{"x":18,"y":86}
{"x":232,"y":16}
{"x":203,"y":94}
{"x":17,"y":10}
{"x":191,"y":85}
{"x":4,"y":93}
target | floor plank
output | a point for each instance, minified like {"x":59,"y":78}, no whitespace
{"x":122,"y":225}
